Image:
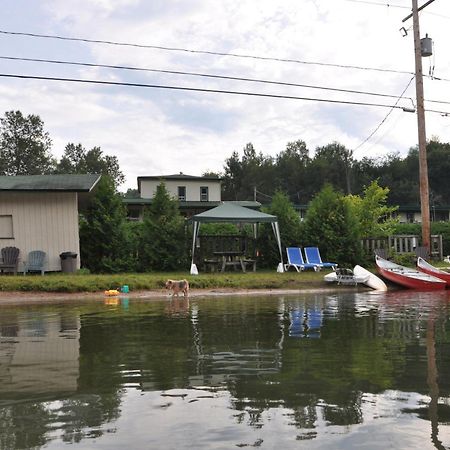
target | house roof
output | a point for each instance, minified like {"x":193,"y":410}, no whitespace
{"x":179,"y":176}
{"x":50,"y":183}
{"x":193,"y":204}
{"x":229,"y":212}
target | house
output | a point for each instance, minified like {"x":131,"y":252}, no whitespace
{"x":412,"y":214}
{"x":194,"y":194}
{"x":40,"y":212}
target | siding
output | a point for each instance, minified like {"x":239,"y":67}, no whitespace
{"x":45,"y":221}
{"x":148,"y":189}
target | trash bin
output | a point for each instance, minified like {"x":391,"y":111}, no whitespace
{"x":68,"y":262}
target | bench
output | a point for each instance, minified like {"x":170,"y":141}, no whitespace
{"x":211,"y":265}
{"x":250,"y":262}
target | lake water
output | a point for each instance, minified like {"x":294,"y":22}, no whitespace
{"x":318,"y":371}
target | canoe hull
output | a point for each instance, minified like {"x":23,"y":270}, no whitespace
{"x":426,"y":267}
{"x":407,"y":277}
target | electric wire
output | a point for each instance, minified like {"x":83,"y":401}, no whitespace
{"x":389,"y":5}
{"x":197,"y":74}
{"x":192,"y":89}
{"x":203,"y":52}
{"x":385,"y":117}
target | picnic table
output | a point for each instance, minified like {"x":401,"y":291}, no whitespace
{"x":232,"y":259}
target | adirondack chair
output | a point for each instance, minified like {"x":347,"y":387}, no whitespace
{"x":10,"y":259}
{"x":35,"y":262}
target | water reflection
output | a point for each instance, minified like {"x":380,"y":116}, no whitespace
{"x":318,"y":371}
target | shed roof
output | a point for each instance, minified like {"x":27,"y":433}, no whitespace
{"x":50,"y":183}
{"x":228,"y":212}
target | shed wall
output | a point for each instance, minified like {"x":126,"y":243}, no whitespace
{"x":45,"y":221}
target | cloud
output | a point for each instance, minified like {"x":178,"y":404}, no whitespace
{"x":155,"y":131}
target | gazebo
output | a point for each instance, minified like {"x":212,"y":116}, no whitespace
{"x":232,"y":213}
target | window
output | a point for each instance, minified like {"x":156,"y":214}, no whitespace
{"x":182,"y":193}
{"x":410,"y":217}
{"x":6,"y":227}
{"x":204,"y":197}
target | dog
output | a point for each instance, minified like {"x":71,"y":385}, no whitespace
{"x":177,"y":286}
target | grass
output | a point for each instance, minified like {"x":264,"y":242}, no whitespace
{"x":67,"y":283}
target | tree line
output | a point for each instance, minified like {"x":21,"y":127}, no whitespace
{"x":302,"y":175}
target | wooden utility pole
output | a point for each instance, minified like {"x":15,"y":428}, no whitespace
{"x":423,"y":165}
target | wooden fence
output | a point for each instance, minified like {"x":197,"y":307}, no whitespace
{"x":403,"y":243}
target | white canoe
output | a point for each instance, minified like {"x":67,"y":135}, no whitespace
{"x":372,"y":280}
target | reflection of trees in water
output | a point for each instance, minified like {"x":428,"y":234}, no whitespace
{"x":24,"y":425}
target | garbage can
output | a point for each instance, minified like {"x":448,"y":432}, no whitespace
{"x":68,"y":262}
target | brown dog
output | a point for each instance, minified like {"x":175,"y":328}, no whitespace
{"x":177,"y":286}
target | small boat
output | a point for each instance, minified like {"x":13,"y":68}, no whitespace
{"x":345,"y":276}
{"x":426,"y":267}
{"x":408,"y":277}
{"x":372,"y":280}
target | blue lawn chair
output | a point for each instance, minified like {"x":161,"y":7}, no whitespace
{"x":312,"y":256}
{"x":295,"y":259}
{"x":35,"y":262}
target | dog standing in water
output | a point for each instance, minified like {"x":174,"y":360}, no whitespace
{"x":177,"y":286}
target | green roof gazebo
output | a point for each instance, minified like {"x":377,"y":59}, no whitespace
{"x":232,"y":213}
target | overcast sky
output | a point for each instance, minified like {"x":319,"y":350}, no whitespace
{"x":159,"y":131}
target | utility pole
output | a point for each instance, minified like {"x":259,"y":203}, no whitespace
{"x":423,"y":164}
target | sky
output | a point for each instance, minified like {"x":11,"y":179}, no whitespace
{"x":154,"y":131}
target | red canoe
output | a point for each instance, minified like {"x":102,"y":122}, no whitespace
{"x":407,"y":277}
{"x":426,"y":267}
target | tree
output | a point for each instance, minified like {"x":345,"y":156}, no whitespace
{"x":24,"y":145}
{"x":374,"y":216}
{"x":291,"y":169}
{"x":163,"y":239}
{"x":331,"y":225}
{"x":289,"y":224}
{"x":243,"y":176}
{"x":103,"y":240}
{"x":77,"y":160}
{"x":332,"y":164}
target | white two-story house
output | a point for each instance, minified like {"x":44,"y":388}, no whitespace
{"x":195,"y":194}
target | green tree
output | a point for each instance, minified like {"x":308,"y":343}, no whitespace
{"x":243,"y":175}
{"x":291,"y":169}
{"x":104,"y":242}
{"x":24,"y":145}
{"x":77,"y":159}
{"x":332,"y":164}
{"x":331,"y":225}
{"x":163,"y":238}
{"x":289,"y":224}
{"x":373,"y":214}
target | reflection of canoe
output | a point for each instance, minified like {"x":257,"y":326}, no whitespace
{"x":407,"y":277}
{"x":372,"y":280}
{"x":426,"y":267}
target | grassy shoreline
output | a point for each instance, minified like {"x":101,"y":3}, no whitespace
{"x":77,"y":283}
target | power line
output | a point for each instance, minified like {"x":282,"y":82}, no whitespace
{"x":203,"y":52}
{"x":196,"y":74}
{"x":192,"y":89}
{"x":385,"y":117}
{"x":389,"y":5}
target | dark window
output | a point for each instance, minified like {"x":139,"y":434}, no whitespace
{"x":6,"y":227}
{"x":182,"y":193}
{"x":204,"y":196}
